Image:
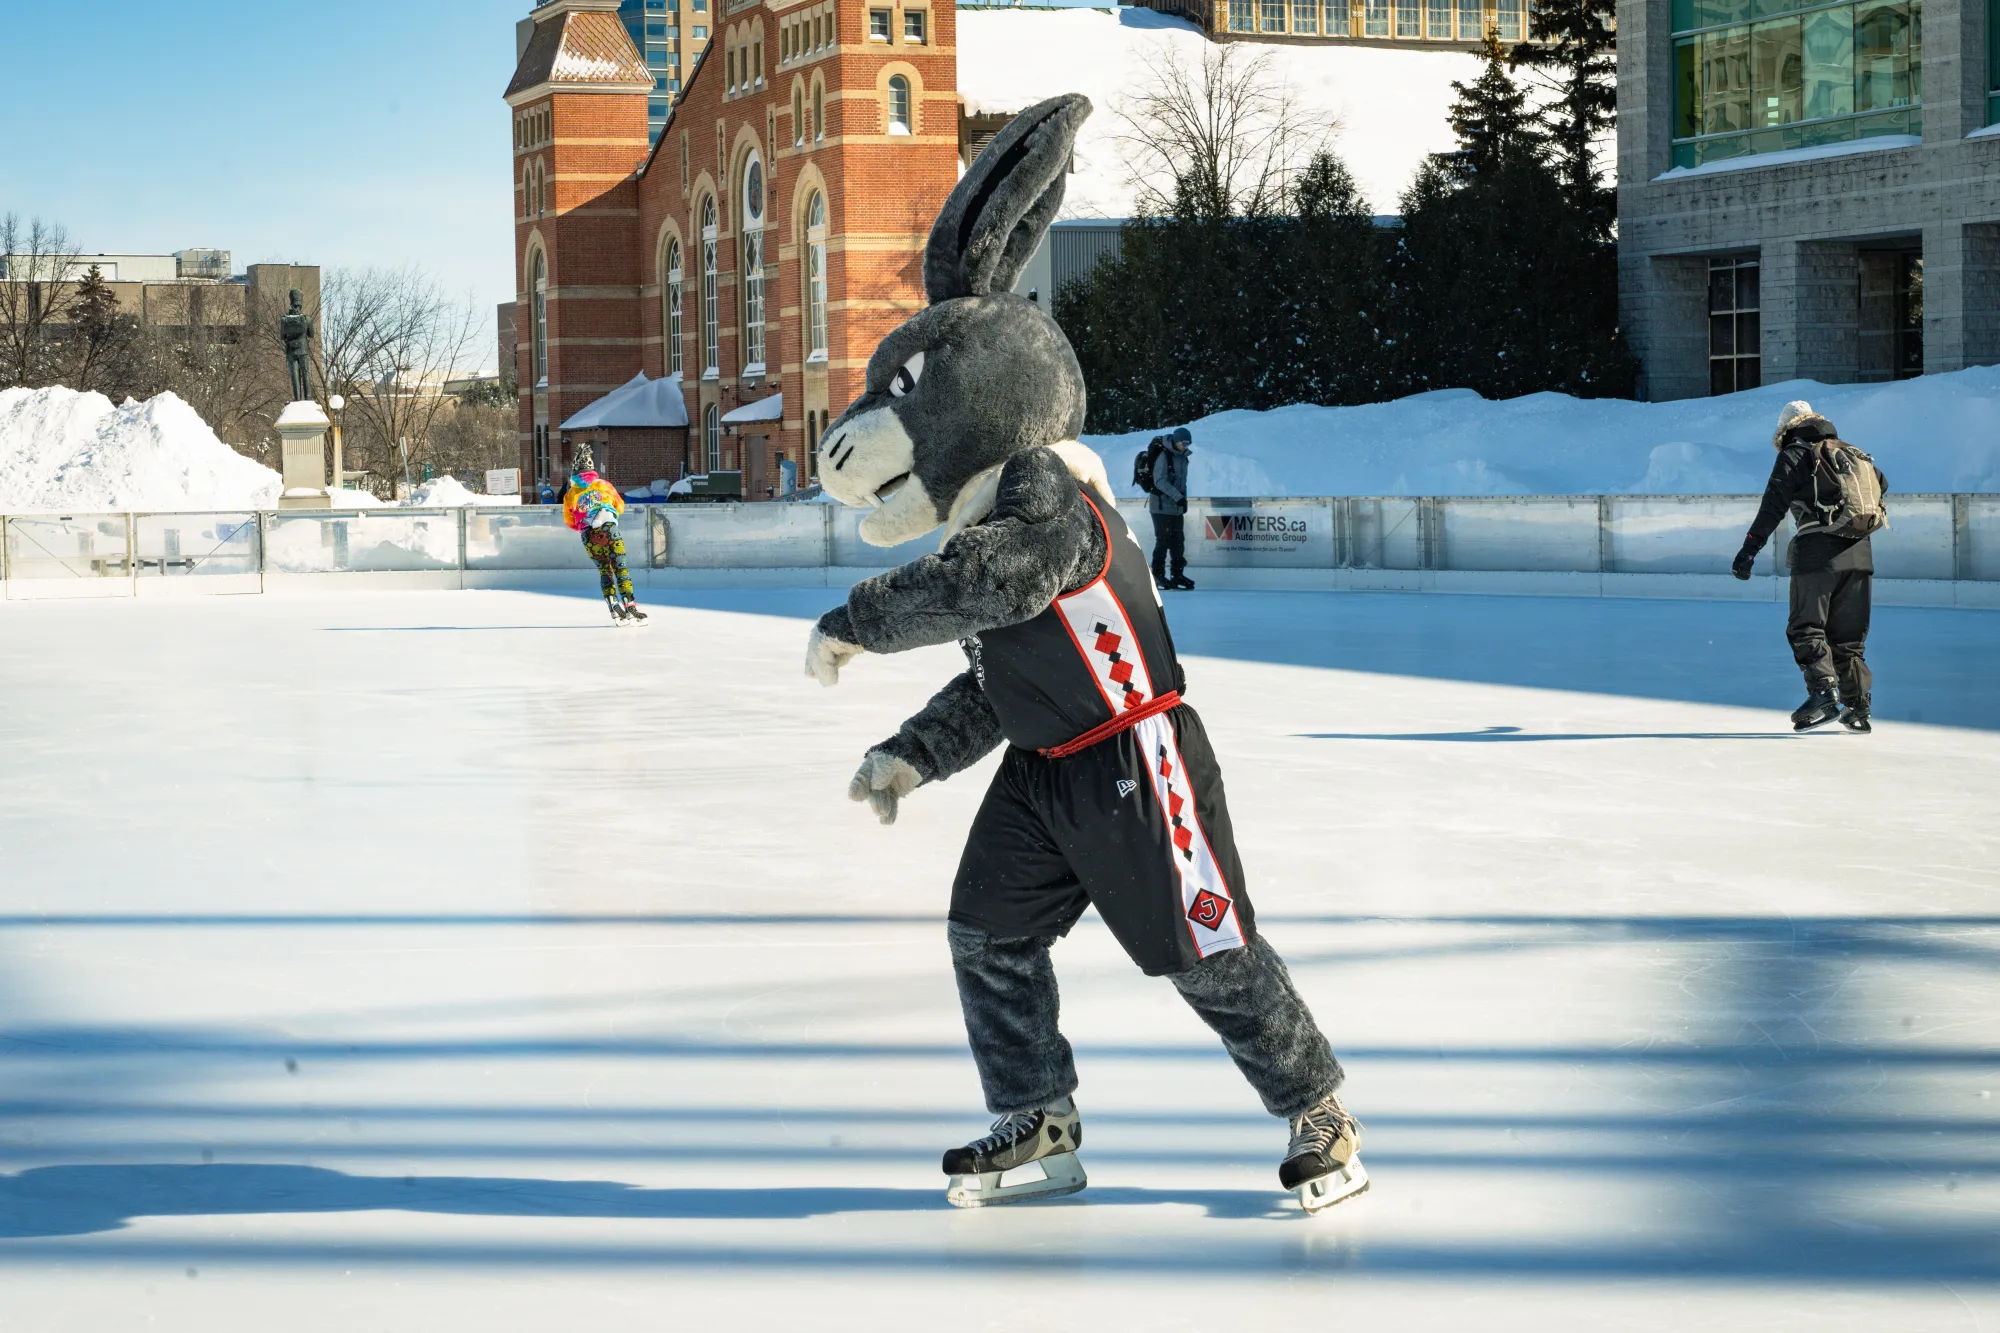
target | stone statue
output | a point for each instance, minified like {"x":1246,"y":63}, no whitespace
{"x":297,"y":331}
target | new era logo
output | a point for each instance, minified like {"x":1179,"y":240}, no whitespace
{"x":1126,"y":786}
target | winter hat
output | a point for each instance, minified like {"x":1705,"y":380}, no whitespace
{"x":1182,"y":436}
{"x":584,"y":462}
{"x":1788,"y":416}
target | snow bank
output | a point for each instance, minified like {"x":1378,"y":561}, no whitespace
{"x":1390,"y":104}
{"x":1938,"y":433}
{"x":60,"y":449}
{"x":444,"y":492}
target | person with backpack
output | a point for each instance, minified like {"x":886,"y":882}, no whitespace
{"x":1161,"y":471}
{"x":1834,"y":494}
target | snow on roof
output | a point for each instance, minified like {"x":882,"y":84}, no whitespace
{"x":764,"y":409}
{"x":580,"y":46}
{"x":1389,"y":103}
{"x":637,"y":402}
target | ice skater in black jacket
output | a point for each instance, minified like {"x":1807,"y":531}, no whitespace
{"x":1831,"y":573}
{"x":1109,"y":795}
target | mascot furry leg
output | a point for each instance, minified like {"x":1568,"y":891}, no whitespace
{"x":1109,"y":794}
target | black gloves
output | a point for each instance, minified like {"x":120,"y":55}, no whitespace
{"x":1745,"y":561}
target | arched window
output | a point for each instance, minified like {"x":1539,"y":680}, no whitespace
{"x":899,"y":104}
{"x":819,"y":110}
{"x":673,"y":320}
{"x":711,"y":313}
{"x":752,"y":251}
{"x":798,"y":117}
{"x":816,"y":277}
{"x":540,"y":288}
{"x":711,"y":438}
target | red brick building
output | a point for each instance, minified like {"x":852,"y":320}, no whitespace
{"x":765,"y":245}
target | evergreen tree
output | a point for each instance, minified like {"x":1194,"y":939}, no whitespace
{"x":1491,"y":118}
{"x":102,"y":340}
{"x":1575,"y":55}
{"x":1501,"y":283}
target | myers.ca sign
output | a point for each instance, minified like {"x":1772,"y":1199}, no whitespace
{"x":1297,"y":533}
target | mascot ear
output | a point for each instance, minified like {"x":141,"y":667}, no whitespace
{"x":1003,"y":205}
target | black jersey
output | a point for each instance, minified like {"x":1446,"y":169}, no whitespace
{"x":1094,"y":657}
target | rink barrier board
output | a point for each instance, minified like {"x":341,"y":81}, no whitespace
{"x":1940,"y":549}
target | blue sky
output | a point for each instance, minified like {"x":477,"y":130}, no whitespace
{"x":147,"y":128}
{"x":341,"y":133}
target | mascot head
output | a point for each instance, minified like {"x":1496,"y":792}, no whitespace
{"x":981,"y":374}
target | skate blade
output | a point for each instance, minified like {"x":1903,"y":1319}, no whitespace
{"x":1061,"y":1174}
{"x":1316,"y":1196}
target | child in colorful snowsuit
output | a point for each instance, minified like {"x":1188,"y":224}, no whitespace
{"x":591,"y":507}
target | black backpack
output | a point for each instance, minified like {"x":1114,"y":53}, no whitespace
{"x":1142,"y":465}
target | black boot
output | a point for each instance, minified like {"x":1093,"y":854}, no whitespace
{"x":1855,"y":718}
{"x":1822,"y":706}
{"x":1182,"y":582}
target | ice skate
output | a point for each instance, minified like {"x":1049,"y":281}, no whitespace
{"x":633,"y":615}
{"x":1822,"y":706}
{"x":1323,"y":1164}
{"x":1182,"y":583}
{"x":1025,"y":1142}
{"x":1855,"y":716}
{"x":617,"y":610}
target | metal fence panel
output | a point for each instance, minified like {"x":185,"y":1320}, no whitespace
{"x":1381,"y":533}
{"x":197,"y":545}
{"x":535,"y":537}
{"x":745,"y":536}
{"x":1681,"y":534}
{"x":1979,"y":535}
{"x":84,"y":549}
{"x":1917,"y":544}
{"x":370,"y":541}
{"x":1556,"y":533}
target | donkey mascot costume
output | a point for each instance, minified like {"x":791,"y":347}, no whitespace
{"x":1109,"y":794}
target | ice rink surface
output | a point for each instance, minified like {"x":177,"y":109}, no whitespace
{"x":454,"y":961}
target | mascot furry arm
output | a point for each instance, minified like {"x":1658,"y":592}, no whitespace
{"x":968,"y":420}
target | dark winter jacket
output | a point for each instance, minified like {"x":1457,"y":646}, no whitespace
{"x":1790,"y":489}
{"x":1170,"y":473}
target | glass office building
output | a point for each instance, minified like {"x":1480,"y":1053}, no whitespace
{"x":655,"y":27}
{"x":1761,"y":76}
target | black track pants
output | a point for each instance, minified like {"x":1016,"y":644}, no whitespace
{"x":1829,"y":628}
{"x":1135,"y":826}
{"x":1007,"y":990}
{"x":1169,"y":546}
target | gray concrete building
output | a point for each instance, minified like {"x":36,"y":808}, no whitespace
{"x":1807,"y":190}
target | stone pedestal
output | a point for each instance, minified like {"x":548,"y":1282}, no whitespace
{"x":303,"y":428}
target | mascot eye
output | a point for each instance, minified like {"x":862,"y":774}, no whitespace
{"x":906,"y":376}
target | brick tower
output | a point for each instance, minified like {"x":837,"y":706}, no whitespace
{"x":578,"y":98}
{"x":764,"y":245}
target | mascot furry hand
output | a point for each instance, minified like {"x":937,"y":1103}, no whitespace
{"x":968,"y":421}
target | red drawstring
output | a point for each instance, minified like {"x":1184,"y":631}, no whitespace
{"x":1123,"y":722}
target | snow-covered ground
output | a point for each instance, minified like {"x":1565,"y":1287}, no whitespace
{"x":60,"y":449}
{"x":1938,"y":433}
{"x":1388,"y":105}
{"x":451,"y":960}
{"x":64,"y":450}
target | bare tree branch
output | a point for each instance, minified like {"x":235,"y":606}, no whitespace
{"x":1215,"y":138}
{"x":37,"y":298}
{"x":389,"y":341}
